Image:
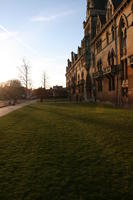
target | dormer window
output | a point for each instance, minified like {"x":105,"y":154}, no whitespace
{"x":110,"y":10}
{"x":89,"y":5}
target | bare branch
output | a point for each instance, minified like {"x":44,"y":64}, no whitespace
{"x":44,"y":80}
{"x":24,"y":72}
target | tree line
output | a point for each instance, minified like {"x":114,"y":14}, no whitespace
{"x":20,"y":88}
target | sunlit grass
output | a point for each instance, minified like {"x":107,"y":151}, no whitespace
{"x":66,"y":151}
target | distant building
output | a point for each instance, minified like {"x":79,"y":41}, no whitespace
{"x":102,"y":69}
{"x":57,"y":92}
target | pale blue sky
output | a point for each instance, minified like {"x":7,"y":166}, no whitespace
{"x":43,"y":31}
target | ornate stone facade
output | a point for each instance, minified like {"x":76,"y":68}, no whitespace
{"x":103,"y":67}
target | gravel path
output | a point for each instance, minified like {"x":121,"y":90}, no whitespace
{"x":8,"y":109}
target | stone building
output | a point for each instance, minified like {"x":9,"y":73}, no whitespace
{"x":103,"y":67}
{"x":77,"y":73}
{"x":59,"y":92}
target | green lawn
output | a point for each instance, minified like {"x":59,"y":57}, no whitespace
{"x":62,"y":151}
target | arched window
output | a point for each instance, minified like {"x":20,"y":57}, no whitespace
{"x":132,"y":14}
{"x":78,"y":77}
{"x":98,"y":28}
{"x":109,"y":59}
{"x":99,"y":65}
{"x":93,"y":59}
{"x":112,"y":57}
{"x":123,"y":35}
{"x":73,"y":84}
{"x":107,"y":37}
{"x":113,"y":32}
{"x":132,"y":8}
{"x":82,"y":75}
{"x":108,"y":14}
{"x":99,"y":45}
{"x":111,"y":11}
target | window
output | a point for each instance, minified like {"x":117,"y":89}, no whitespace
{"x":100,"y":86}
{"x":93,"y":59}
{"x":98,"y":27}
{"x":126,"y":69}
{"x":79,"y":88}
{"x":111,"y":82}
{"x":78,"y":77}
{"x":99,"y":45}
{"x":113,"y":33}
{"x":108,"y":14}
{"x":123,"y":36}
{"x":83,"y":88}
{"x":86,"y":41}
{"x":109,"y":59}
{"x":132,"y":8}
{"x":132,"y":14}
{"x":112,"y":57}
{"x":107,"y":37}
{"x":109,"y":10}
{"x":99,"y":65}
{"x":82,"y":75}
{"x":122,"y":70}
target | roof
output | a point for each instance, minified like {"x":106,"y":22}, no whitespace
{"x":100,"y":4}
{"x":116,"y":3}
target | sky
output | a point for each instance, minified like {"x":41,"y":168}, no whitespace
{"x":43,"y":32}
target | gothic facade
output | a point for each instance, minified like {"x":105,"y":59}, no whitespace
{"x":102,"y":69}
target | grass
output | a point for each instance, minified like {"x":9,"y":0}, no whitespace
{"x":62,"y":151}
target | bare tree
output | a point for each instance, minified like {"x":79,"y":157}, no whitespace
{"x":42,"y":90}
{"x":12,"y":90}
{"x":44,"y":80}
{"x":24,"y":71}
